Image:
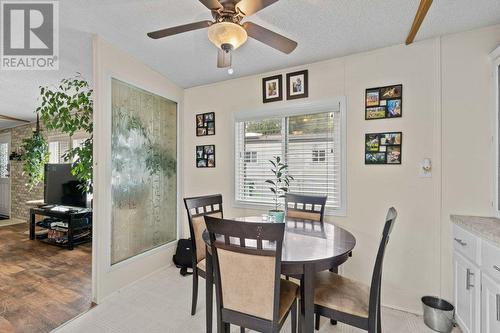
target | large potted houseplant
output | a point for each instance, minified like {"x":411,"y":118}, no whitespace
{"x":36,"y":154}
{"x":68,"y":108}
{"x":279,"y":187}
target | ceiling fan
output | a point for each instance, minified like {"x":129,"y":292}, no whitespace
{"x":227,"y":32}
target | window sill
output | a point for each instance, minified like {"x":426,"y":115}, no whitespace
{"x":264,"y":208}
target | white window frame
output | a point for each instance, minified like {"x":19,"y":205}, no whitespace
{"x":296,"y":108}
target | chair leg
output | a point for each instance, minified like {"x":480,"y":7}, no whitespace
{"x":317,"y":322}
{"x":195,"y":292}
{"x":379,"y":320}
{"x":242,"y":330}
{"x":333,"y":322}
{"x":294,"y":317}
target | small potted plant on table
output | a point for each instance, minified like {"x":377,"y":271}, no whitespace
{"x":280,"y":184}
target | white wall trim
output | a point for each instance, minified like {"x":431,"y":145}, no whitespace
{"x":337,"y":104}
{"x":495,"y":65}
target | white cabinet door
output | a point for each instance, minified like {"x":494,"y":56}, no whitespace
{"x":490,"y":307}
{"x":466,"y":293}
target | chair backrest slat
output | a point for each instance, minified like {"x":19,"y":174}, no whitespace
{"x":377,"y":271}
{"x":197,"y":208}
{"x":307,"y":207}
{"x":247,"y":274}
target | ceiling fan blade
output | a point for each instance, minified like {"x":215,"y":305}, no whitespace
{"x":212,"y":4}
{"x":13,"y":119}
{"x":270,"y":38}
{"x":179,"y":29}
{"x":423,"y":8}
{"x":249,"y":7}
{"x":224,"y":59}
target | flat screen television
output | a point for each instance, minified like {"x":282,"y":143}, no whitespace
{"x":61,"y":187}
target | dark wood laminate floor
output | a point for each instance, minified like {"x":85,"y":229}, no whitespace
{"x":41,"y":286}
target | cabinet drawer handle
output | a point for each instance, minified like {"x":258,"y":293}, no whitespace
{"x":498,"y":307}
{"x":495,"y":267}
{"x":461,"y":242}
{"x":468,"y":279}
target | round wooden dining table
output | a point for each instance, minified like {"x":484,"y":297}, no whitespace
{"x":308,"y":247}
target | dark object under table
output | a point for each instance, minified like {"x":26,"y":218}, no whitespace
{"x":74,"y":218}
{"x":309,"y":247}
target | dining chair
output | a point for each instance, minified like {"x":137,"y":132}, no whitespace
{"x":307,"y":207}
{"x":349,"y":301}
{"x":247,"y":264}
{"x":197,"y":208}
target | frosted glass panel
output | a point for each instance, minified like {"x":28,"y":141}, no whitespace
{"x":144,"y":181}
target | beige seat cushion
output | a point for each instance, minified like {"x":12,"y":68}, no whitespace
{"x":288,"y":294}
{"x":199,"y":227}
{"x":202,"y":265}
{"x":341,"y":294}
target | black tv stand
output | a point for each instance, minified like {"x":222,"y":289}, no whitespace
{"x":69,"y":216}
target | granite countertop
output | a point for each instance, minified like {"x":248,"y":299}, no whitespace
{"x":485,"y":227}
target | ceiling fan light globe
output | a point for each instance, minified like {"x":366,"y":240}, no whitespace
{"x":227,"y":33}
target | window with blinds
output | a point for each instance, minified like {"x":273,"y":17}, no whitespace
{"x":57,"y":149}
{"x":59,"y":145}
{"x":311,"y":146}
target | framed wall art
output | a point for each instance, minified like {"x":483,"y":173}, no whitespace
{"x":205,"y":124}
{"x":383,"y":148}
{"x":384,"y":102}
{"x":272,"y":89}
{"x":205,"y":156}
{"x":297,"y":85}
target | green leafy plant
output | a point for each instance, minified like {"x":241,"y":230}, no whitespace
{"x":281,"y":181}
{"x":69,"y":108}
{"x":36,"y":155}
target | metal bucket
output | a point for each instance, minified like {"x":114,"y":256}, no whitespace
{"x":438,"y":314}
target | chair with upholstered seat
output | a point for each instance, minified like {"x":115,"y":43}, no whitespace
{"x":247,"y":266}
{"x":307,"y":207}
{"x":197,"y":208}
{"x":349,"y":301}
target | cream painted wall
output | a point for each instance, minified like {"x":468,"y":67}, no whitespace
{"x":468,"y":103}
{"x":112,"y":62}
{"x":444,"y":81}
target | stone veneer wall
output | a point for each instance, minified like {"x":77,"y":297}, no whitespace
{"x":20,"y":193}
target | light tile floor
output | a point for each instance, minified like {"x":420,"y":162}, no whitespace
{"x":161,"y":304}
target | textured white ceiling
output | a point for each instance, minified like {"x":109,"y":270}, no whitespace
{"x":323,"y":28}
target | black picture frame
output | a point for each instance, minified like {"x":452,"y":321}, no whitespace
{"x":205,"y":124}
{"x":205,"y":156}
{"x":290,"y":95}
{"x":384,"y":148}
{"x":380,"y":103}
{"x":279,"y":88}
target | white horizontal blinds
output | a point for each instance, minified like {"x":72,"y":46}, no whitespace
{"x":310,"y":145}
{"x":77,"y":143}
{"x":257,"y":142}
{"x":313,"y":156}
{"x":54,"y":152}
{"x":57,"y":149}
